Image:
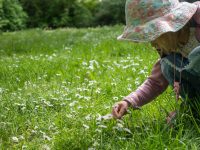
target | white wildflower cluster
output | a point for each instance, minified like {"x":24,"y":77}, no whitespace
{"x":46,"y":147}
{"x":42,"y":57}
{"x":86,"y":126}
{"x":3,"y":90}
{"x":138,"y":81}
{"x":17,"y":139}
{"x":121,"y":127}
{"x":36,"y":131}
{"x":67,"y":48}
{"x":129,"y":88}
{"x":98,"y":90}
{"x":74,"y":97}
{"x":93,"y":64}
{"x":22,"y":106}
{"x":72,"y":104}
{"x":126,"y":64}
{"x":101,"y":127}
{"x":92,"y":83}
{"x":45,"y":136}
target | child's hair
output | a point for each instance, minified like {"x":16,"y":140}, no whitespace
{"x":171,"y":41}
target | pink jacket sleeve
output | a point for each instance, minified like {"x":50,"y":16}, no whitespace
{"x":154,"y":85}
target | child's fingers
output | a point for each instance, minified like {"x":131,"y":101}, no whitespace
{"x":115,"y":112}
{"x":122,"y":111}
{"x":118,"y":111}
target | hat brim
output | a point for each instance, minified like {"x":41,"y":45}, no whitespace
{"x":170,"y":22}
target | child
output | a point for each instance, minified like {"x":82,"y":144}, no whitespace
{"x":173,"y":28}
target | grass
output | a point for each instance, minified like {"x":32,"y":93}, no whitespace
{"x":55,"y":85}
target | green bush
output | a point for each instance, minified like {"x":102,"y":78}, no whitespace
{"x":43,"y":13}
{"x":110,"y":12}
{"x":18,"y":14}
{"x":12,"y":16}
{"x":57,"y":13}
{"x":79,"y":15}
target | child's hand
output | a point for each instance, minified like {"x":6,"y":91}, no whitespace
{"x":120,"y":109}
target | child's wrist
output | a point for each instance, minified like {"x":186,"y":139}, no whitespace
{"x":128,"y":102}
{"x":131,"y":105}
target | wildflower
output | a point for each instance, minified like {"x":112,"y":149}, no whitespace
{"x":113,"y":84}
{"x":98,"y":130}
{"x":1,"y":90}
{"x":67,"y":48}
{"x":79,"y":96}
{"x":98,"y":91}
{"x":102,"y":126}
{"x":87,"y":98}
{"x":24,"y":147}
{"x":33,"y":131}
{"x":45,"y":137}
{"x":46,"y":147}
{"x":84,"y":64}
{"x":69,"y":116}
{"x":129,"y":87}
{"x":142,"y":72}
{"x":15,"y":139}
{"x":80,"y":107}
{"x":88,"y":117}
{"x":122,"y":138}
{"x":120,"y":125}
{"x":96,"y":144}
{"x":127,"y":130}
{"x":99,"y":117}
{"x":48,"y":103}
{"x":133,"y":69}
{"x":86,"y":126}
{"x":107,"y":117}
{"x":21,"y":137}
{"x":73,"y":103}
{"x":115,"y":98}
{"x":91,"y":83}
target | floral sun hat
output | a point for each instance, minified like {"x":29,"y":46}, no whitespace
{"x":148,"y":19}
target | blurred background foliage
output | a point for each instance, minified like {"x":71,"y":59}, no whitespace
{"x":21,"y":14}
{"x":12,"y":16}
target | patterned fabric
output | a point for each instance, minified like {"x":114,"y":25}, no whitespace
{"x":148,"y":19}
{"x":190,"y":79}
{"x":189,"y":69}
{"x":194,"y":59}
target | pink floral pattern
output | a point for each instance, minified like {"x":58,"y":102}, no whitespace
{"x":148,"y":19}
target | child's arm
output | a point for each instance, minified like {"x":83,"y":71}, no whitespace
{"x":151,"y":88}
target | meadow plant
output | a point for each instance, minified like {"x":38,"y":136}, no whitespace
{"x":57,"y":87}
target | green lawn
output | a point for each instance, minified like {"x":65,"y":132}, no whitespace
{"x":56,"y":85}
